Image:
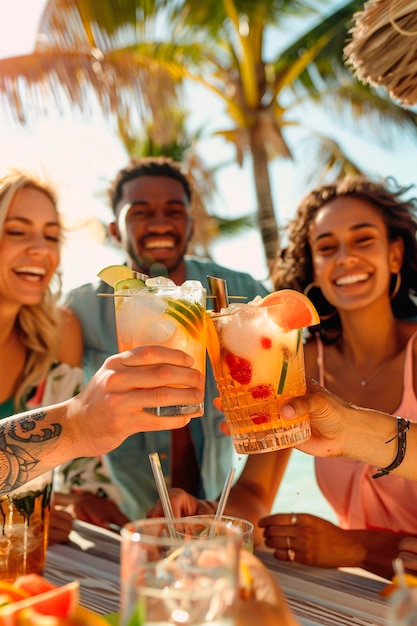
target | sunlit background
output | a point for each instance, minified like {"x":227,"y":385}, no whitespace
{"x":82,"y":157}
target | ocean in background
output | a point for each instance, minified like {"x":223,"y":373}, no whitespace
{"x":299,"y":491}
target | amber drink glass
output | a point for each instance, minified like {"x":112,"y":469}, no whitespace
{"x":24,"y":524}
{"x":258,"y":367}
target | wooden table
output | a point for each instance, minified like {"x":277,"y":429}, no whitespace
{"x":319,"y":597}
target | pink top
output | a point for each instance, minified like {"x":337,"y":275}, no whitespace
{"x":389,"y":502}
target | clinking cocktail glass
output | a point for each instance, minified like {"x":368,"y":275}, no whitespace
{"x":256,"y":352}
{"x":164,"y":314}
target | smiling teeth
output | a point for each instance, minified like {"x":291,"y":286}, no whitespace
{"x":160,"y":244}
{"x":39,"y":271}
{"x":352,"y":278}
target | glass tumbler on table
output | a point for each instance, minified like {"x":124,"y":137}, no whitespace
{"x":245,"y":526}
{"x":164,"y":314}
{"x":24,"y":525}
{"x":178,"y":571}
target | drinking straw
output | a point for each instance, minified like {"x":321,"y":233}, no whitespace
{"x":218,"y":288}
{"x":398,"y":567}
{"x":162,"y":491}
{"x":225,"y":494}
{"x":223,"y":499}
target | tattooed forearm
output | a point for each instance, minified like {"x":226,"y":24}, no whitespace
{"x":15,"y":461}
{"x":29,"y":429}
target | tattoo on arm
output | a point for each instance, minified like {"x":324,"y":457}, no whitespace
{"x":16,"y":462}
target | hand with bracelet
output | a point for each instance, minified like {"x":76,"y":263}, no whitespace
{"x":343,"y":430}
{"x":340,"y":429}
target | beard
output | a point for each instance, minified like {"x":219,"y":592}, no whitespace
{"x":147,"y":264}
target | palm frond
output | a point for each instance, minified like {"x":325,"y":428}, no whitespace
{"x":325,"y":161}
{"x":365,"y":111}
{"x":330,"y":33}
{"x":47,"y":80}
{"x":230,"y":227}
{"x":107,"y":26}
{"x":213,"y":16}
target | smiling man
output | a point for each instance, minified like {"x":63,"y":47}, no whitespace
{"x":151,"y":202}
{"x":153,"y":221}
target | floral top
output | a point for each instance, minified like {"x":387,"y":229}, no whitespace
{"x":62,"y":382}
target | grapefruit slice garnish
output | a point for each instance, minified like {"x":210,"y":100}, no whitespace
{"x":293,"y":309}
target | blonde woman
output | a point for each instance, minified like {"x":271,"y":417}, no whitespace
{"x":40,"y":343}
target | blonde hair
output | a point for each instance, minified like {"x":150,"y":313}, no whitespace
{"x":38,"y":324}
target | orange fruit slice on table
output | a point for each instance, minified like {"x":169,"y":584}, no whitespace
{"x":81,"y":617}
{"x":9,"y":593}
{"x":293,"y":309}
{"x":32,"y":584}
{"x":58,"y":601}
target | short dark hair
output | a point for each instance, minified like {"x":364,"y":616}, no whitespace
{"x":147,"y":166}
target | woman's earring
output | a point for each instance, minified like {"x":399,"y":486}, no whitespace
{"x":309,"y":287}
{"x":397,"y":285}
{"x":315,"y":294}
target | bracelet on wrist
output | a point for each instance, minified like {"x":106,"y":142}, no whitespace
{"x":403,"y":426}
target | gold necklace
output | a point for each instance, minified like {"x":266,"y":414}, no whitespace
{"x":364,"y":381}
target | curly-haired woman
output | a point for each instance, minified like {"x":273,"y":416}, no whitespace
{"x":352,"y":249}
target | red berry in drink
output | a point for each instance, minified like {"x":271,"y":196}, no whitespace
{"x":260,"y":418}
{"x":266,"y":343}
{"x":261,"y":392}
{"x":240,"y":369}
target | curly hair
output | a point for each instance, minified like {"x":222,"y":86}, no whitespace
{"x":294,"y":265}
{"x":37,"y":325}
{"x":146,"y":166}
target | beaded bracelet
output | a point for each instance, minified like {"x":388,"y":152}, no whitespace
{"x":403,"y":426}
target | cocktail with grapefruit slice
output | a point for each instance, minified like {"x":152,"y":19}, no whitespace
{"x":156,"y":311}
{"x":256,"y":352}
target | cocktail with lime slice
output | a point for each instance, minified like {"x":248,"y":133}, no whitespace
{"x":158,"y":312}
{"x":256,"y":351}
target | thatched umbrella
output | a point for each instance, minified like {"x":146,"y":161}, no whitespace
{"x":383,"y":47}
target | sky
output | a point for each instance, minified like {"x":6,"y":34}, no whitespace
{"x":82,"y":158}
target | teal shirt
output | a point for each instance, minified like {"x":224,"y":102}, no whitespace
{"x":129,"y":463}
{"x":7,"y":408}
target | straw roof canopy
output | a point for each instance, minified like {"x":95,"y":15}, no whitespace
{"x":383,"y":47}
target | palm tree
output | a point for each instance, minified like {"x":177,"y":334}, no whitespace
{"x":115,"y":51}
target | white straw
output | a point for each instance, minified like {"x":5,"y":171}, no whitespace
{"x":398,"y":567}
{"x":162,"y":490}
{"x":225,"y":494}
